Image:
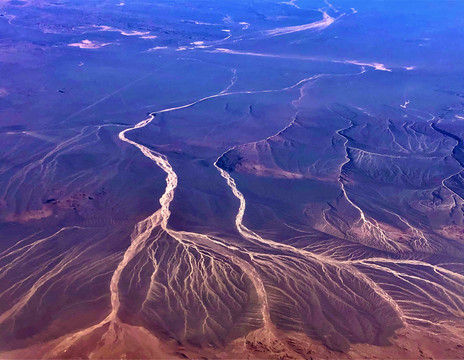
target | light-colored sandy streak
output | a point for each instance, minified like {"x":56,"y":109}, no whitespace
{"x":374,"y":65}
{"x":14,"y":248}
{"x":89,"y":44}
{"x":290,"y":3}
{"x":21,"y":303}
{"x":233,"y":80}
{"x":326,"y":21}
{"x":122,"y":32}
{"x":406,"y":103}
{"x":21,"y":175}
{"x":26,"y":250}
{"x":451,"y":301}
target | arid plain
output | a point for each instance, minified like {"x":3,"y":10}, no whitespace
{"x":231,"y":179}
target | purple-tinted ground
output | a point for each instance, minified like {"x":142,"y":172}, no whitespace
{"x":231,"y":179}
